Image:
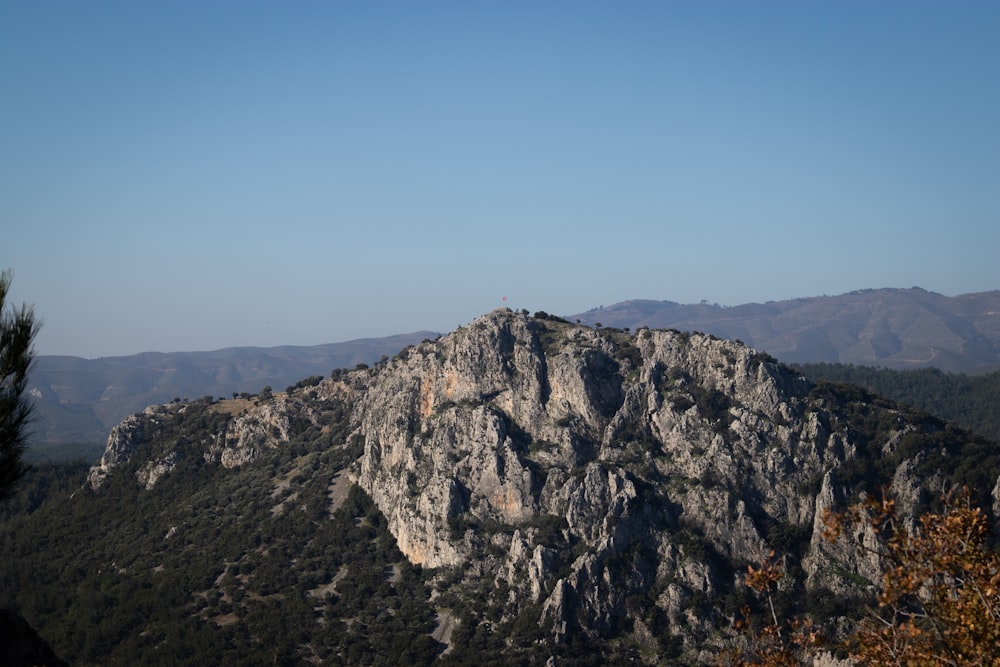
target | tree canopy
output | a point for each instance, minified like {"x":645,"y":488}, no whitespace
{"x":17,"y":331}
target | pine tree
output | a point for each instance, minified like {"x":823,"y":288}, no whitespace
{"x":17,"y":331}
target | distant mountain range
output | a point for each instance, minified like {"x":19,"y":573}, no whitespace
{"x":894,"y":328}
{"x":80,"y":400}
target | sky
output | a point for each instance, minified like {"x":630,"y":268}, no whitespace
{"x":181,"y":176}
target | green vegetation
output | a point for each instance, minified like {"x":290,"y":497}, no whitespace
{"x":551,"y":332}
{"x":310,"y":381}
{"x":935,"y":448}
{"x":542,"y":315}
{"x":43,"y":452}
{"x":968,"y":400}
{"x":17,"y":331}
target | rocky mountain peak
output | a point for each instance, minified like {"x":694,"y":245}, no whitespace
{"x":591,"y":475}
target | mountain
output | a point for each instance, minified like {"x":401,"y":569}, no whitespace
{"x":521,"y":491}
{"x":80,"y":400}
{"x":895,"y":328}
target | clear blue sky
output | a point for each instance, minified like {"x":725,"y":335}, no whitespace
{"x":194,"y":175}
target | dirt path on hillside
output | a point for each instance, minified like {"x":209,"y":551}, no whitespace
{"x":339,"y":487}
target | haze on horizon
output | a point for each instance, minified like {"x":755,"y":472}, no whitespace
{"x":193,"y":176}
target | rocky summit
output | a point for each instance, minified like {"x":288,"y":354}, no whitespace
{"x":566,"y":493}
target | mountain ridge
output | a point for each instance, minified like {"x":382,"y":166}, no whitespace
{"x":561,"y":491}
{"x":893,"y":327}
{"x":79,"y":400}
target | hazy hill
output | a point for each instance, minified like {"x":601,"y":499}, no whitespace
{"x":80,"y":400}
{"x":518,"y":491}
{"x":895,"y":328}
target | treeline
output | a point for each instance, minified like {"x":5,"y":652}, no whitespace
{"x":971,"y":401}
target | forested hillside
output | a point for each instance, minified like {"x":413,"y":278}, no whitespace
{"x":210,"y":571}
{"x":973,"y":401}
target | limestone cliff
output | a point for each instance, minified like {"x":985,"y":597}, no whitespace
{"x":601,"y":481}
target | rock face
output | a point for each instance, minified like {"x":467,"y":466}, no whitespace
{"x":262,"y":424}
{"x":604,"y":481}
{"x":570,"y":450}
{"x":529,"y":427}
{"x":124,"y":441}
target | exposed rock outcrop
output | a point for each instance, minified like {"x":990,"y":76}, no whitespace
{"x":124,"y":441}
{"x":684,"y":455}
{"x":595,"y":475}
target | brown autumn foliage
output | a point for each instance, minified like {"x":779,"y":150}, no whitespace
{"x":773,"y":644}
{"x":940,"y":597}
{"x":939,"y":603}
